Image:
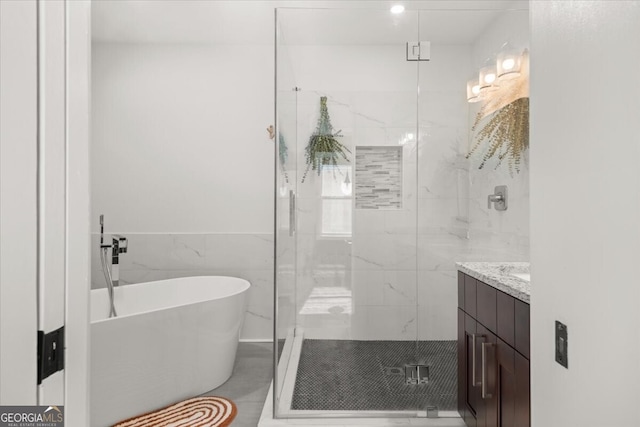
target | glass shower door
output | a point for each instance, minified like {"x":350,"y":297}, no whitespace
{"x":356,"y":200}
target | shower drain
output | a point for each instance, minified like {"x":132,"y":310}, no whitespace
{"x":413,"y":374}
{"x":416,"y":374}
{"x":388,"y":370}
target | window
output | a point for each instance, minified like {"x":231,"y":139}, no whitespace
{"x":337,"y":201}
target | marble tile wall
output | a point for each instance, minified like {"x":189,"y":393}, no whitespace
{"x":164,"y":256}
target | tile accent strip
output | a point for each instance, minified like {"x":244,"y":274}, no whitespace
{"x":378,"y":179}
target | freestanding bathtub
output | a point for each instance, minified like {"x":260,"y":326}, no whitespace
{"x":173,"y":339}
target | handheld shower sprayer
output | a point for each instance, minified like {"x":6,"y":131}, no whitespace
{"x":106,"y":268}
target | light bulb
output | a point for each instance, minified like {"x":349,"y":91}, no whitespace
{"x":508,"y":64}
{"x":346,"y":186}
{"x":473,"y":90}
{"x":487,"y":77}
{"x":397,"y":9}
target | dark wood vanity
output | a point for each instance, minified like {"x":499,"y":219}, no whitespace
{"x":493,"y":356}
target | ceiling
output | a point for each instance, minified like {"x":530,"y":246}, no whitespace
{"x":252,"y":22}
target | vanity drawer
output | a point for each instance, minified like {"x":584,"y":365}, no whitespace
{"x":506,"y":318}
{"x":486,"y":305}
{"x":470,"y":295}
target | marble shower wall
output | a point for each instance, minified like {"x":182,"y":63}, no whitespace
{"x":165,"y":256}
{"x":443,"y":189}
{"x":394,"y":277}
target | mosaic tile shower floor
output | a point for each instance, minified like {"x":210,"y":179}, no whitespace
{"x":344,"y":375}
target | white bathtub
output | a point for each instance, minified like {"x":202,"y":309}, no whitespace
{"x":173,"y":339}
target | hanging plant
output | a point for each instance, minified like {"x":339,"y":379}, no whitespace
{"x":323,"y":147}
{"x":506,"y":134}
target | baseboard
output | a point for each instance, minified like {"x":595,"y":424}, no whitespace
{"x":257,"y":340}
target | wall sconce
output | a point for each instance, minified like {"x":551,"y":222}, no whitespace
{"x":507,"y":66}
{"x":488,"y":78}
{"x":509,"y":63}
{"x":473,"y":90}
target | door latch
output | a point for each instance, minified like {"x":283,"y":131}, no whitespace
{"x":50,"y":353}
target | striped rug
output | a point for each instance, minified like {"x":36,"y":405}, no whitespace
{"x":196,"y":412}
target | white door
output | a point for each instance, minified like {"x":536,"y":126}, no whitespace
{"x":18,"y":202}
{"x":51,"y":183}
{"x":44,"y":200}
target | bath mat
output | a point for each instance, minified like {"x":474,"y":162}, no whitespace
{"x":199,"y":411}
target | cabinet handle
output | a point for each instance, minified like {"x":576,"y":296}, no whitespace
{"x":484,"y":346}
{"x":292,"y":213}
{"x":473,"y":360}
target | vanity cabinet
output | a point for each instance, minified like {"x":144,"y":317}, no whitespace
{"x":493,"y":356}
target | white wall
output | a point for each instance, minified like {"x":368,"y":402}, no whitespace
{"x":179,"y":140}
{"x":182,"y":165}
{"x":585,"y":210}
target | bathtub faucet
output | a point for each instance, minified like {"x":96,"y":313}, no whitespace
{"x":119,"y":246}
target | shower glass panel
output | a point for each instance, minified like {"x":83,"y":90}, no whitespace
{"x":355,"y":239}
{"x":375,"y":203}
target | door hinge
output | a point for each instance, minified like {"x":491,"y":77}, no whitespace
{"x":418,"y":51}
{"x":50,"y":353}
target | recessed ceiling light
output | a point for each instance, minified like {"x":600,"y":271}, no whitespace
{"x":396,"y":9}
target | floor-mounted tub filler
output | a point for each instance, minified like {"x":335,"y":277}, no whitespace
{"x":173,"y":339}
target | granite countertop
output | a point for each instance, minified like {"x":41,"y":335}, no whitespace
{"x":502,"y":276}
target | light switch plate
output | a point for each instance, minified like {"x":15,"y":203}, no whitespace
{"x":562,"y":344}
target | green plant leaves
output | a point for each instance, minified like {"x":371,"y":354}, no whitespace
{"x":323,"y":147}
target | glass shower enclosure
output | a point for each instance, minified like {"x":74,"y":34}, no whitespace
{"x":372,"y":205}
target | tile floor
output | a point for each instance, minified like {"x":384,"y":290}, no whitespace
{"x":249,"y":384}
{"x":348,"y":375}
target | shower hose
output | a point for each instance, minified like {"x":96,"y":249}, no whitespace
{"x":107,"y":277}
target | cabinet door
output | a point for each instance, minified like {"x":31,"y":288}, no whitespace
{"x":506,"y":381}
{"x":467,"y":393}
{"x":462,"y":364}
{"x":486,"y":386}
{"x":522,"y":402}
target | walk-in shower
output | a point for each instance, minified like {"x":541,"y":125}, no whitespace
{"x":375,"y":202}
